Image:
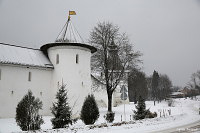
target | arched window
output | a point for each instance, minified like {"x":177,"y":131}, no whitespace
{"x":77,"y":58}
{"x":57,"y":59}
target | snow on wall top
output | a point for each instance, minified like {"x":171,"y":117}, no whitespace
{"x":177,"y":93}
{"x":18,"y":55}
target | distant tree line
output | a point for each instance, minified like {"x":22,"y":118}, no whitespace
{"x":156,"y":87}
{"x":137,"y":85}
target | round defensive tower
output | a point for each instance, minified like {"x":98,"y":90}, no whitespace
{"x":71,"y":63}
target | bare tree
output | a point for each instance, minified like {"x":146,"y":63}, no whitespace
{"x":195,"y":81}
{"x":165,"y":86}
{"x":114,"y":56}
{"x":175,"y":88}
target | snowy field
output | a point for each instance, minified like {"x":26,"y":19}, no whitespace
{"x":185,"y":111}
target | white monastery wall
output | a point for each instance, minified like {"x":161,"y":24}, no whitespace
{"x":14,"y":84}
{"x":71,"y":66}
{"x":100,"y":93}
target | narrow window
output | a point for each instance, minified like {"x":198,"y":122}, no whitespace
{"x":40,"y":93}
{"x":29,"y":76}
{"x":77,"y":59}
{"x":0,"y":74}
{"x":57,"y":59}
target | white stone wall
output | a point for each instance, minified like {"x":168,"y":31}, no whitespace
{"x":14,"y":82}
{"x":14,"y":85}
{"x":100,"y":93}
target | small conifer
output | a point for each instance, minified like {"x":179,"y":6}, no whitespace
{"x":27,"y":113}
{"x":140,"y":113}
{"x":61,"y":110}
{"x":90,"y":110}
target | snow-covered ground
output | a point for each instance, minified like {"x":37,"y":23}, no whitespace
{"x":185,"y":111}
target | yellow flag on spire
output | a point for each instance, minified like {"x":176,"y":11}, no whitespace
{"x":72,"y":13}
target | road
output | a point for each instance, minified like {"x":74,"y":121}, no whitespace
{"x":189,"y":128}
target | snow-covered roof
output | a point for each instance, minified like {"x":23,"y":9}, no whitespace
{"x":177,"y":93}
{"x":18,"y":55}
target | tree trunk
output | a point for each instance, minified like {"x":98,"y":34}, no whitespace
{"x":109,"y":101}
{"x":135,"y":99}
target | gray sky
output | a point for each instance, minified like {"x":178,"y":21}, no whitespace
{"x":167,"y":32}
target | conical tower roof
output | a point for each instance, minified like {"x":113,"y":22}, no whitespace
{"x":69,"y":36}
{"x":69,"y":33}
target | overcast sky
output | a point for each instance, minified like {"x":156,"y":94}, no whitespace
{"x":167,"y":32}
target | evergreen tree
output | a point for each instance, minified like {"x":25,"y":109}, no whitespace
{"x":90,"y":110}
{"x":61,"y":110}
{"x":27,"y":113}
{"x":154,"y":86}
{"x":140,"y":113}
{"x":137,"y":85}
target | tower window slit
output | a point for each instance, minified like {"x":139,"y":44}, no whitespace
{"x":57,"y":59}
{"x":29,"y":76}
{"x":77,"y":58}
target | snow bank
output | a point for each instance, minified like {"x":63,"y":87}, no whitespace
{"x":184,"y":112}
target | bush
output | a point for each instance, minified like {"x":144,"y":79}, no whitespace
{"x":90,"y":110}
{"x":150,"y":114}
{"x":61,"y":110}
{"x":27,"y":113}
{"x":141,"y":111}
{"x":170,"y":102}
{"x":109,"y":117}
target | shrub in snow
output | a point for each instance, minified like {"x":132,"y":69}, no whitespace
{"x":61,"y":110}
{"x":150,"y":114}
{"x":90,"y":110}
{"x":141,"y":111}
{"x":109,"y":117}
{"x":74,"y":120}
{"x":27,"y":113}
{"x":170,"y":102}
